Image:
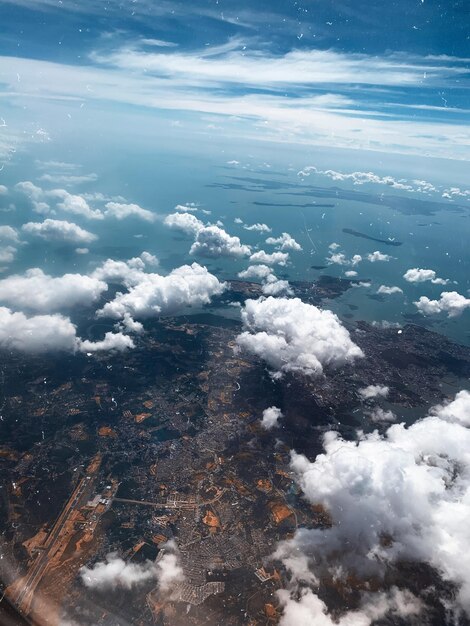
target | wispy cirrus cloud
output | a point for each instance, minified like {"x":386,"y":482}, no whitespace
{"x":314,"y":96}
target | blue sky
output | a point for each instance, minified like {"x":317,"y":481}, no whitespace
{"x":392,"y":77}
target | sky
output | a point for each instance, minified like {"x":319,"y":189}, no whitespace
{"x":387,"y":76}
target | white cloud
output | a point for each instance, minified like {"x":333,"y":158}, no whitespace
{"x":68,"y":179}
{"x":361,"y":178}
{"x":451,"y":302}
{"x":271,"y":416}
{"x":78,"y":204}
{"x":129,"y":75}
{"x":350,"y":273}
{"x":169,"y":570}
{"x":213,"y":242}
{"x":256,"y":271}
{"x":284,"y":242}
{"x":40,"y":292}
{"x":120,"y":211}
{"x":451,"y":192}
{"x":37,"y":333}
{"x":190,"y":206}
{"x":185,"y":222}
{"x":29,"y":189}
{"x":7,"y":254}
{"x":70,"y":203}
{"x":416,"y":275}
{"x":8,"y":233}
{"x":116,"y":573}
{"x":129,"y":325}
{"x":339,"y":258}
{"x":411,"y":485}
{"x":276,"y":258}
{"x":260,"y":228}
{"x":149,"y":259}
{"x":43,"y":333}
{"x":65,"y":201}
{"x":3,"y":190}
{"x":386,"y":290}
{"x":305,"y":608}
{"x":455,"y":411}
{"x":273,"y":286}
{"x":380,"y":415}
{"x":57,"y":230}
{"x":112,"y":342}
{"x":151,"y":294}
{"x":374,"y":391}
{"x":82,"y":250}
{"x":378,"y":256}
{"x":292,"y":336}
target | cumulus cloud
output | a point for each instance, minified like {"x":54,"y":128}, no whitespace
{"x":305,"y":608}
{"x":151,"y":294}
{"x":273,"y":286}
{"x":37,"y":291}
{"x":213,"y":241}
{"x":451,"y":302}
{"x":190,"y":206}
{"x":361,"y":178}
{"x":284,"y":242}
{"x":37,"y":333}
{"x":128,"y":272}
{"x":256,"y":271}
{"x":292,"y":336}
{"x":78,"y":204}
{"x":417,"y":275}
{"x":276,"y":258}
{"x":121,"y":210}
{"x":115,"y":573}
{"x":43,"y":333}
{"x":374,"y":391}
{"x":271,"y":417}
{"x":7,"y":254}
{"x":185,"y":222}
{"x":29,"y":189}
{"x":8,"y":233}
{"x":112,"y":342}
{"x":456,"y":411}
{"x":373,"y":257}
{"x":129,"y":325}
{"x":169,"y":570}
{"x":260,"y":228}
{"x":410,"y":486}
{"x":339,"y":258}
{"x":58,"y":230}
{"x":388,"y":291}
{"x":350,"y":273}
{"x":70,"y":203}
{"x":210,"y":241}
